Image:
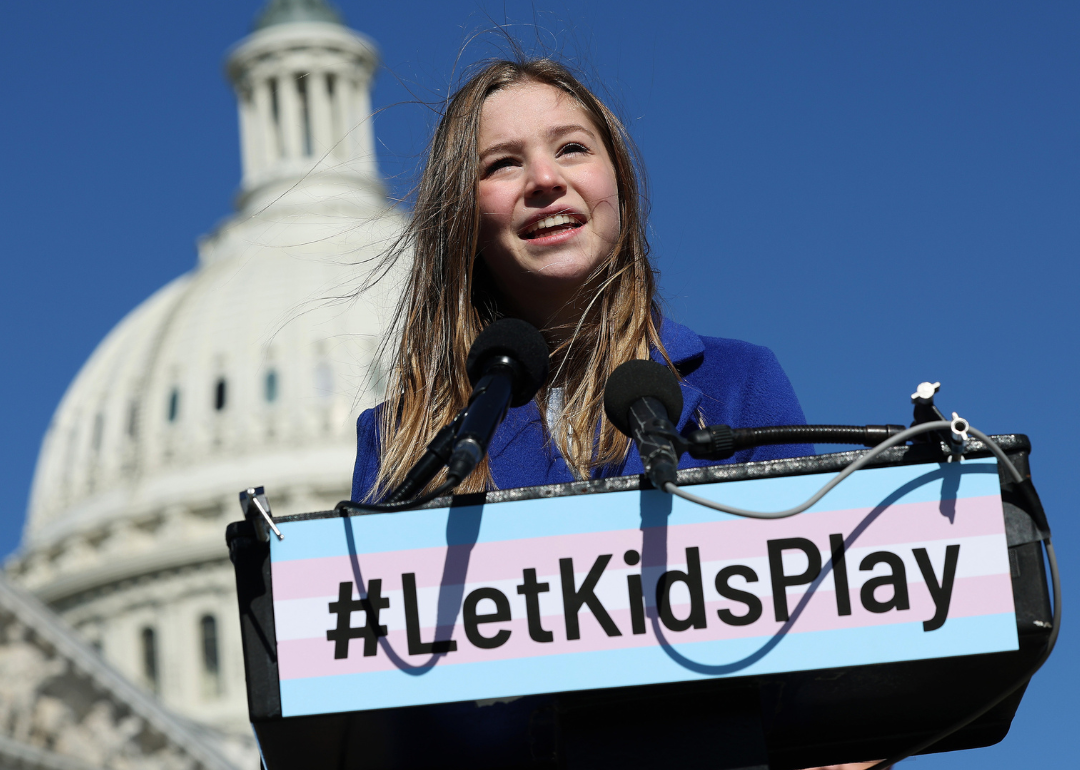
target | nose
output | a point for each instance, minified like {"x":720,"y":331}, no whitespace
{"x":545,"y":178}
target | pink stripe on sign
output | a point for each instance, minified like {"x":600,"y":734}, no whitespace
{"x":304,"y":658}
{"x":717,"y":541}
{"x":897,"y":524}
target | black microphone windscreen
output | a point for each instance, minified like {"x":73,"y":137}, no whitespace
{"x":518,"y":340}
{"x":635,"y":380}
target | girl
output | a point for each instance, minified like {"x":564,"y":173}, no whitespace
{"x":531,"y":206}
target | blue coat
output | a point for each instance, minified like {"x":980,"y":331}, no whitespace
{"x":734,"y":383}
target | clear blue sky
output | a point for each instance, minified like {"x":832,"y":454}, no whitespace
{"x":882,"y":193}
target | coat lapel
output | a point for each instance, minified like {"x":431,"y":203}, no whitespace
{"x":686,"y":351}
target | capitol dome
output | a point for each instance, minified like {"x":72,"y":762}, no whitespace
{"x":249,"y":370}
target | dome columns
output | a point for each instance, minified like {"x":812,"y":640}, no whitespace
{"x":305,"y":108}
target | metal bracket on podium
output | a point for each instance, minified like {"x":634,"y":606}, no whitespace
{"x":257,"y":510}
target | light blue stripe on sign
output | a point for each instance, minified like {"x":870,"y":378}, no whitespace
{"x":648,"y":665}
{"x":378,"y":533}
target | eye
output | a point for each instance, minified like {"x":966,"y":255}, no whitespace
{"x":497,"y":164}
{"x":574,"y":148}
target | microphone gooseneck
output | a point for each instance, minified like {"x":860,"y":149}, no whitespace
{"x":507,"y":364}
{"x":719,"y":442}
{"x":643,"y":400}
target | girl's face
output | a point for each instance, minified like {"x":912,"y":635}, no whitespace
{"x":549,"y":200}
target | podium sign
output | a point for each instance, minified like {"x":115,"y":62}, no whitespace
{"x":497,"y":601}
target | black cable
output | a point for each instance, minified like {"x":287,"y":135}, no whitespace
{"x":439,"y":491}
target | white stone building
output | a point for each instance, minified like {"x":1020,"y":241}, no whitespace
{"x":249,"y":370}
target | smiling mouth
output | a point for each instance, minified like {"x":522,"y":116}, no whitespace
{"x":549,"y":226}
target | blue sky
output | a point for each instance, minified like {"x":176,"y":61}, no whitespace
{"x":881,"y":193}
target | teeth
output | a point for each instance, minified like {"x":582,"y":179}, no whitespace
{"x":554,"y":221}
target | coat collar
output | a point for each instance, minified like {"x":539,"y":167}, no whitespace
{"x":681,"y":344}
{"x":686,"y":351}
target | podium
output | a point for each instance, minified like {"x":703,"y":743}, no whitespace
{"x":606,"y":624}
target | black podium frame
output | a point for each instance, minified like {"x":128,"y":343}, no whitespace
{"x":780,"y":721}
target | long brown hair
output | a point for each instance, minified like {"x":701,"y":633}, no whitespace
{"x":449,"y":296}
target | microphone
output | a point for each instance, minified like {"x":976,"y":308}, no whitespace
{"x":507,"y":364}
{"x":430,"y":463}
{"x":643,"y":400}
